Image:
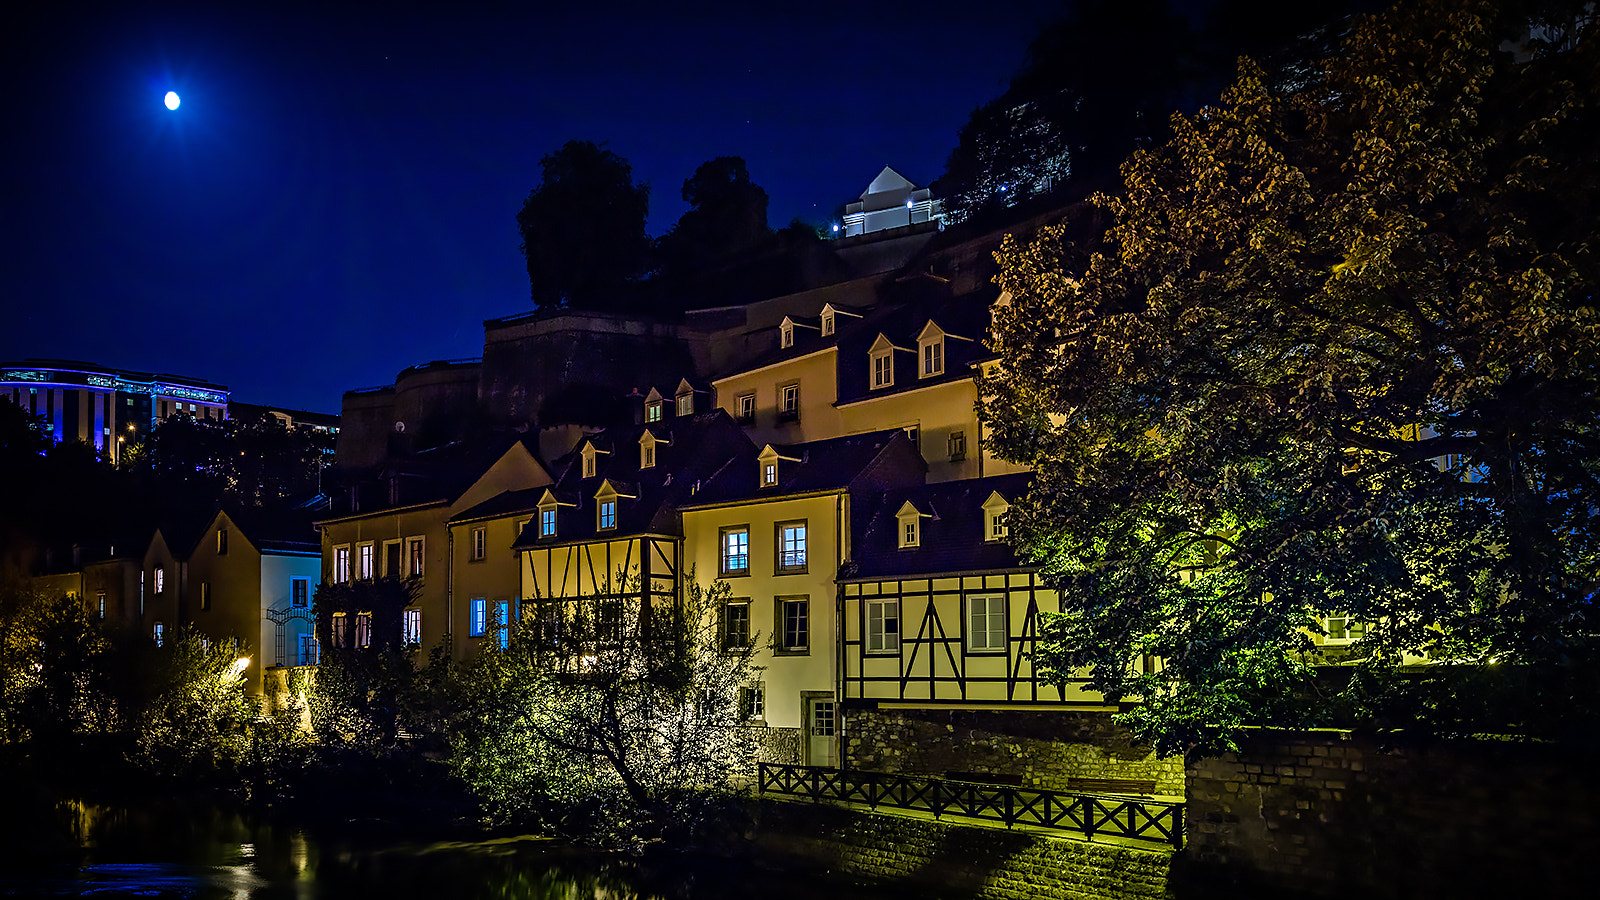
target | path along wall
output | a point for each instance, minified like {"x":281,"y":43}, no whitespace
{"x":1326,"y":815}
{"x":944,"y":860}
{"x":1044,"y":749}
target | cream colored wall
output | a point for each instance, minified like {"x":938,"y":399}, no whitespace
{"x":515,"y":470}
{"x":827,"y":528}
{"x":581,"y":570}
{"x":162,"y":607}
{"x":498,"y":576}
{"x":937,"y":410}
{"x":819,"y":390}
{"x":235,"y":579}
{"x":433,"y":594}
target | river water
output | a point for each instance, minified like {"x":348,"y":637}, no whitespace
{"x":204,"y":852}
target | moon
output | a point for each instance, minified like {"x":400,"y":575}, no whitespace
{"x":172,"y":100}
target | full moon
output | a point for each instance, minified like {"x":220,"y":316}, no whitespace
{"x":172,"y":100}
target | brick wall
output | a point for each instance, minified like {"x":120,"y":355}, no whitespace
{"x":1042,"y":748}
{"x":954,"y":860}
{"x":1324,"y":815}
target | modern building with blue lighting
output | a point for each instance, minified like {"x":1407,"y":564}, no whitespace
{"x":104,"y":407}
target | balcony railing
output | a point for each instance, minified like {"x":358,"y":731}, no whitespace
{"x":1089,"y":815}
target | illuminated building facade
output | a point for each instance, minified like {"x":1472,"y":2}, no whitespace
{"x":103,"y":407}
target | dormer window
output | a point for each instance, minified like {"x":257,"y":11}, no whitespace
{"x":548,"y":505}
{"x":995,"y":510}
{"x":881,"y":364}
{"x":654,"y":406}
{"x":910,"y":525}
{"x":827,"y":324}
{"x":930,"y":349}
{"x":591,"y":459}
{"x":588,"y":465}
{"x":786,"y":336}
{"x":932,"y":359}
{"x":686,"y":404}
{"x":605,"y":510}
{"x":607,"y":515}
{"x":767,"y":462}
{"x":769,"y":474}
{"x":647,"y":450}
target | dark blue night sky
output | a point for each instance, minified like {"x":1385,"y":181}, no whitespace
{"x":334,"y":200}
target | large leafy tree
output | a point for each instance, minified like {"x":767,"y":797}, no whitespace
{"x":583,"y":229}
{"x":1337,"y":355}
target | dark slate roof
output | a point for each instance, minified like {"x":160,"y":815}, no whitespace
{"x":699,"y":445}
{"x":917,"y":302}
{"x":872,"y":461}
{"x":502,"y":504}
{"x":951,"y":541}
{"x":288,"y":530}
{"x":437,"y":475}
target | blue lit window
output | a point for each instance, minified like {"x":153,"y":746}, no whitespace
{"x":547,"y":523}
{"x":478,"y":617}
{"x":608,"y":514}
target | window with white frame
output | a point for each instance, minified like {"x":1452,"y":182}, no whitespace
{"x":769,"y":474}
{"x":734,"y":556}
{"x":652,"y":411}
{"x":986,"y":624}
{"x":366,"y":563}
{"x":647,"y":456}
{"x":341,"y":567}
{"x":883,"y":626}
{"x":477,"y":616}
{"x":753,"y":702}
{"x":827,"y":324}
{"x":547,"y":522}
{"x":995,"y":510}
{"x":933,"y":358}
{"x":364,"y":629}
{"x":607,"y":512}
{"x":789,"y":402}
{"x":882,"y":368}
{"x":794,"y":624}
{"x":391,"y":559}
{"x":791,"y":547}
{"x":411,"y":628}
{"x":686,"y":403}
{"x":480,"y":542}
{"x":415,"y":555}
{"x":746,"y":406}
{"x":786,"y":335}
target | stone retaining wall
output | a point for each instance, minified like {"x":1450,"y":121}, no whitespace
{"x":1323,"y":815}
{"x":948,"y":860}
{"x":1044,"y":749}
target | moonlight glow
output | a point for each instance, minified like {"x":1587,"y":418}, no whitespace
{"x":172,"y":100}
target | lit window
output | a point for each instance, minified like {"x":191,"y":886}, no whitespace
{"x":341,"y":630}
{"x":883,"y":626}
{"x":787,"y":336}
{"x":883,"y":369}
{"x":411,"y":628}
{"x":791,"y":547}
{"x":205,"y":596}
{"x":769,"y":474}
{"x":827,"y":324}
{"x":480,"y":542}
{"x":159,"y":634}
{"x":222,"y":541}
{"x":933,"y":358}
{"x":652,"y":411}
{"x":608,"y":514}
{"x":794,"y":626}
{"x":736,"y":624}
{"x":477,"y":617}
{"x":686,"y":404}
{"x":366,"y":561}
{"x":735,"y":556}
{"x":1343,"y":630}
{"x":100,"y":600}
{"x":364,"y":629}
{"x":415,"y":554}
{"x":299,"y":593}
{"x":161,"y":581}
{"x":986,"y":624}
{"x":547,"y":523}
{"x":502,"y":623}
{"x":341,"y":567}
{"x":747,"y":409}
{"x":994,"y":517}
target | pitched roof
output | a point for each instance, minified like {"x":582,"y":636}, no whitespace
{"x":872,"y":461}
{"x":951,"y":536}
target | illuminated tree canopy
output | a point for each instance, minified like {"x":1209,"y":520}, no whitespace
{"x":1337,"y":355}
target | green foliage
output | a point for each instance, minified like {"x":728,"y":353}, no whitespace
{"x":362,"y":695}
{"x":583,"y":229}
{"x":1337,"y":356}
{"x":55,"y":677}
{"x":607,"y":739}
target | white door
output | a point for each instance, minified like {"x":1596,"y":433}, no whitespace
{"x":821,"y":725}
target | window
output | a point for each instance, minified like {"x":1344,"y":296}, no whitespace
{"x":986,"y":624}
{"x":100,"y":602}
{"x":159,"y":634}
{"x":222,"y":542}
{"x":686,"y":404}
{"x":994,"y":517}
{"x":341,"y":567}
{"x":647,"y":456}
{"x":786,"y":335}
{"x":366,"y":563}
{"x":908,"y":534}
{"x":794,"y":624}
{"x":909,"y":521}
{"x":789,"y":402}
{"x":791,"y":547}
{"x":956,"y":444}
{"x":883,"y":369}
{"x":822,"y":718}
{"x":299,"y":592}
{"x":588,"y":465}
{"x":746,"y":405}
{"x":769,"y":475}
{"x":205,"y":596}
{"x":752,"y":702}
{"x":414,"y":554}
{"x":1343,"y":630}
{"x":391,"y":559}
{"x":477,"y":617}
{"x":411,"y":628}
{"x":652,"y":412}
{"x":364,"y":629}
{"x":480,"y":542}
{"x":883,"y":626}
{"x":161,"y":581}
{"x":341,"y":629}
{"x":932,"y":358}
{"x":736,"y":624}
{"x":608,"y":515}
{"x":502,"y":623}
{"x":547,"y":523}
{"x":735,"y":556}
{"x":306,"y":651}
{"x":827,"y":324}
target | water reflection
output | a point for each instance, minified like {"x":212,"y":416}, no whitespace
{"x":204,"y":853}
